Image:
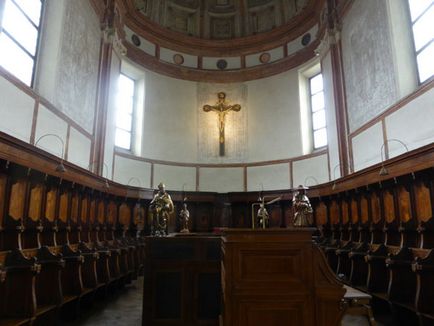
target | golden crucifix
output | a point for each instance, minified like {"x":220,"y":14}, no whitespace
{"x":221,"y":108}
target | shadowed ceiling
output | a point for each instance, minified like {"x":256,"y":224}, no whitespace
{"x":220,"y":19}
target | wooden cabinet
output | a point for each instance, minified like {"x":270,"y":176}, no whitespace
{"x":277,"y":277}
{"x":182,"y":281}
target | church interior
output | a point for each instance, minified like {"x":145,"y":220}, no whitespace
{"x":217,"y":162}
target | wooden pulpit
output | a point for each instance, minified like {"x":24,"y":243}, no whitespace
{"x":277,"y":277}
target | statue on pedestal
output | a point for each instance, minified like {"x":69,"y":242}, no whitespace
{"x":184,"y":217}
{"x":262,"y":215}
{"x":160,"y":208}
{"x":303,"y":212}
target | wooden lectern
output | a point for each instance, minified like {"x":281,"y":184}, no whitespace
{"x":277,"y":277}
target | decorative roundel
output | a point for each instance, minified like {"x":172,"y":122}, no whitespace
{"x":136,"y":40}
{"x":265,"y":57}
{"x":178,"y":59}
{"x":306,"y":39}
{"x":222,"y":64}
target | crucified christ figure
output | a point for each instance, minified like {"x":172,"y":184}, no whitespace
{"x":222,"y":108}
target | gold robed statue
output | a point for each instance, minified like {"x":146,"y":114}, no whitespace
{"x":303,"y":212}
{"x":184,"y":217}
{"x":160,"y":208}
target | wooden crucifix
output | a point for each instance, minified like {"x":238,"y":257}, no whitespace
{"x":222,"y":108}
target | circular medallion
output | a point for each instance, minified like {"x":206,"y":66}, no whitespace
{"x":265,"y":57}
{"x":178,"y":59}
{"x":222,"y":64}
{"x":306,"y":39}
{"x":136,"y":40}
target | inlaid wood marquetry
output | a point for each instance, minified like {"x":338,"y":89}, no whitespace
{"x":423,"y":202}
{"x":35,"y":204}
{"x":16,"y":200}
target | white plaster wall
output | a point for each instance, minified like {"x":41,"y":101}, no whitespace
{"x":174,"y":177}
{"x":274,"y":118}
{"x":111,"y":114}
{"x":270,"y":177}
{"x":253,"y":59}
{"x":170,"y":122}
{"x":79,"y":148}
{"x":412,"y":124}
{"x":370,"y":80}
{"x":367,"y":147}
{"x":402,"y":46}
{"x":145,"y":45}
{"x":68,"y":69}
{"x":332,"y":135}
{"x":211,"y":62}
{"x":126,"y":168}
{"x":221,"y":179}
{"x":16,"y":111}
{"x":308,"y":171}
{"x":49,"y":123}
{"x":167,"y":55}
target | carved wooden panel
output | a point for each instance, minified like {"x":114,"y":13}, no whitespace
{"x":283,"y":265}
{"x":75,"y":208}
{"x":389,"y":207}
{"x":35,"y":203}
{"x":139,"y":215}
{"x":375,"y":207}
{"x":3,"y":182}
{"x":334,"y":212}
{"x":92,"y":213}
{"x":354,"y":211}
{"x":101,"y":212}
{"x":364,"y":210}
{"x":84,"y":209}
{"x":423,"y":202}
{"x":50,"y":207}
{"x":63,"y":207}
{"x":111,"y":212}
{"x":204,"y":214}
{"x":321,"y":214}
{"x":255,"y":313}
{"x":275,"y":214}
{"x":404,"y":204}
{"x":124,"y":214}
{"x":16,"y":200}
{"x":345,"y":213}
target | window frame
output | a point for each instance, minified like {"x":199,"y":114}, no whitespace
{"x":311,"y":112}
{"x":38,"y":28}
{"x":133,"y":115}
{"x":425,"y":46}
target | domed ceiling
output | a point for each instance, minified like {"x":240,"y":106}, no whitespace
{"x":220,"y":40}
{"x":220,"y":19}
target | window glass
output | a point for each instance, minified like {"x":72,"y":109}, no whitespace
{"x":422,"y":21}
{"x":19,"y":37}
{"x":15,"y":60}
{"x":316,"y":91}
{"x":124,"y":111}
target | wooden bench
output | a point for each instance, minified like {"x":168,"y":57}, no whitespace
{"x":358,"y":303}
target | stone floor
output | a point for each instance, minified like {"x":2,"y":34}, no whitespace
{"x":125,"y":309}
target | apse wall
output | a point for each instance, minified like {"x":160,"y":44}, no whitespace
{"x":384,"y":102}
{"x":179,"y":143}
{"x":387,"y":108}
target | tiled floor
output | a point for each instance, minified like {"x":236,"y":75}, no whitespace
{"x":125,"y":309}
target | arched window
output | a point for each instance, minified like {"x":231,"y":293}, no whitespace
{"x":422,"y":22}
{"x":317,"y":105}
{"x":19,"y":34}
